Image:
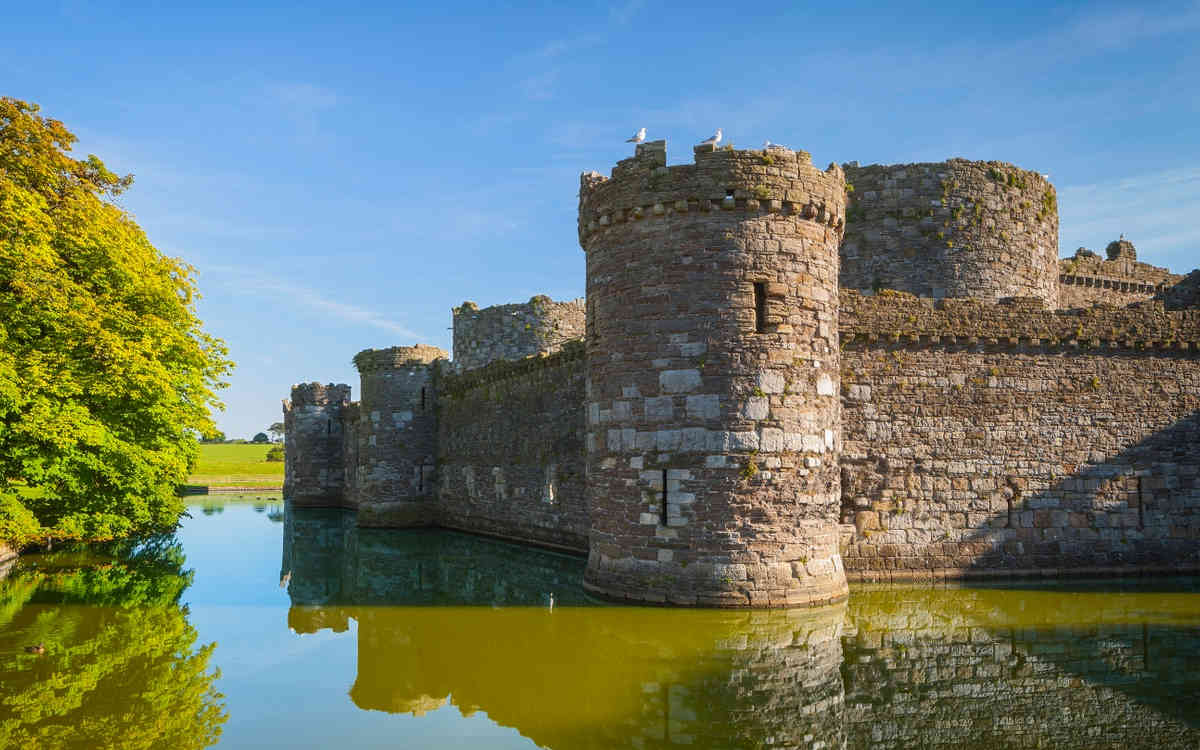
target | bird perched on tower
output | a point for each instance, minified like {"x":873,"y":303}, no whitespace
{"x":638,"y":137}
{"x":713,"y":139}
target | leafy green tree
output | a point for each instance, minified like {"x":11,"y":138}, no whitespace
{"x":276,"y":430}
{"x":105,"y":373}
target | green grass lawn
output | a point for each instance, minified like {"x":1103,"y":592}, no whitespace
{"x":236,"y":465}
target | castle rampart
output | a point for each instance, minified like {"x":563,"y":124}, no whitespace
{"x":713,"y":430}
{"x":313,"y":472}
{"x":510,"y":332}
{"x":952,"y":229}
{"x":397,"y":435}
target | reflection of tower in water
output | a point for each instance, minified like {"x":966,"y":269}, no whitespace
{"x":471,"y":624}
{"x":584,"y":677}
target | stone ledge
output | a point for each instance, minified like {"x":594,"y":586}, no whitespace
{"x":926,"y":575}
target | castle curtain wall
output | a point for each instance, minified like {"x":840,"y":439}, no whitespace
{"x":970,"y":452}
{"x":511,"y":460}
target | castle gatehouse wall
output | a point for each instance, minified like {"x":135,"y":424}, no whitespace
{"x":511,"y":458}
{"x":984,"y":439}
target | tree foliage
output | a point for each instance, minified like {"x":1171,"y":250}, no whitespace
{"x":105,"y":373}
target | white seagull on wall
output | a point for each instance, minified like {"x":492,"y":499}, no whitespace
{"x":713,"y":139}
{"x":638,"y":137}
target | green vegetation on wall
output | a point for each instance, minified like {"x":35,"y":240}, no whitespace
{"x":106,"y":377}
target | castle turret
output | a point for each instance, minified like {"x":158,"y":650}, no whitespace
{"x":396,"y":435}
{"x":511,"y":332}
{"x":713,"y":370}
{"x":313,"y":423}
{"x":957,"y":228}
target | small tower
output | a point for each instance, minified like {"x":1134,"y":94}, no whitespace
{"x":513,"y":331}
{"x":958,"y":228}
{"x":396,"y":435}
{"x":1122,"y":252}
{"x":713,"y":370}
{"x":313,"y":422}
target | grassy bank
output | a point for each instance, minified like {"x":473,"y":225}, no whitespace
{"x":236,"y":465}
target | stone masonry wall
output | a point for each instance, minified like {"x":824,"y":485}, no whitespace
{"x":396,"y":435}
{"x":510,"y":445}
{"x":951,"y":229}
{"x":313,"y":421}
{"x":1184,"y":295}
{"x":513,"y":331}
{"x":994,"y":438}
{"x":713,"y":431}
{"x":1086,"y":279}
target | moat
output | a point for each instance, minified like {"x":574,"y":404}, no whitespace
{"x":260,"y":625}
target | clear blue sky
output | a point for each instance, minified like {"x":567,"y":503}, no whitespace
{"x":341,"y":174}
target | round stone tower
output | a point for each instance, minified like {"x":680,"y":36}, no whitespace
{"x":313,"y":469}
{"x":713,"y":407}
{"x":396,"y":435}
{"x":981,"y":229}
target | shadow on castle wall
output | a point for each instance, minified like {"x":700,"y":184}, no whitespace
{"x":1134,"y":512}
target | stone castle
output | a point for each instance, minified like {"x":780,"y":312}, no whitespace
{"x":785,"y":378}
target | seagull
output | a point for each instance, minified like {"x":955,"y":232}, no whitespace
{"x":713,"y":139}
{"x":768,"y":145}
{"x":638,"y":137}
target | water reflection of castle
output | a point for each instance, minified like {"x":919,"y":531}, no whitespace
{"x":451,"y":619}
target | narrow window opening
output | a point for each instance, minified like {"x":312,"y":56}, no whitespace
{"x":328,"y":426}
{"x":1141,"y":506}
{"x":420,"y":480}
{"x":1010,"y":514}
{"x":662,"y":503}
{"x":729,"y":192}
{"x":760,"y":306}
{"x":422,"y":399}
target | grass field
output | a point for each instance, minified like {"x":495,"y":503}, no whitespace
{"x":236,"y":465}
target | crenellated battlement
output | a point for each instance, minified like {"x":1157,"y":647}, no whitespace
{"x":1121,"y":279}
{"x":775,"y":181}
{"x":892,"y":318}
{"x":317,"y":394}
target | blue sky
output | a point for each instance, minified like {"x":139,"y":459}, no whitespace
{"x":341,"y":174}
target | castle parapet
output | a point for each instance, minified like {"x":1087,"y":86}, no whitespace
{"x":313,"y":422}
{"x":712,"y":396}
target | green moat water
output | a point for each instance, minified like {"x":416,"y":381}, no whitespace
{"x":254,"y":627}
